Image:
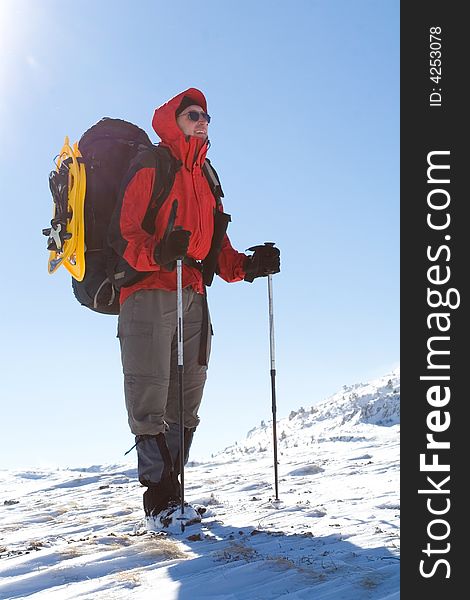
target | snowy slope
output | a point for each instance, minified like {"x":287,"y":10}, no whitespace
{"x":77,"y":533}
{"x":345,"y":415}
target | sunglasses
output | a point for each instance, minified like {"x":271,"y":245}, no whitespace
{"x":195,"y":115}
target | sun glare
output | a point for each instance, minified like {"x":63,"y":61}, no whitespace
{"x":6,"y":7}
{"x":18,"y":25}
{"x":7,"y":36}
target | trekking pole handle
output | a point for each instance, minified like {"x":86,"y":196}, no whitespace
{"x":253,"y":248}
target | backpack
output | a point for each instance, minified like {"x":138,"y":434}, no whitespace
{"x":85,"y":188}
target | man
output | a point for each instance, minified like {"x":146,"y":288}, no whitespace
{"x":184,"y":227}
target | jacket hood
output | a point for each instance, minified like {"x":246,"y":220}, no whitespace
{"x":165,"y":126}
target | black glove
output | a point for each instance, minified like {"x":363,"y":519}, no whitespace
{"x":173,"y":246}
{"x":265,"y":261}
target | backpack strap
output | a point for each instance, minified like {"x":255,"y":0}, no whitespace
{"x":213,"y":181}
{"x":221,"y":221}
{"x":166,"y":166}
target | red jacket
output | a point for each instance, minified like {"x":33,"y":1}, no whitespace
{"x":195,"y":213}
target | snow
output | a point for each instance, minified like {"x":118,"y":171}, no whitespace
{"x":333,"y":534}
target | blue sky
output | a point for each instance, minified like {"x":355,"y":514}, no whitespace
{"x":304,"y":99}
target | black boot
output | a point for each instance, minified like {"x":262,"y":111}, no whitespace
{"x":156,"y":473}
{"x":160,"y":496}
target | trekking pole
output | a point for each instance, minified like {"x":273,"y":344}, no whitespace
{"x":273,"y":364}
{"x":273,"y":378}
{"x":179,"y":304}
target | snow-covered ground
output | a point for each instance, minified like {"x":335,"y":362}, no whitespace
{"x":333,"y":535}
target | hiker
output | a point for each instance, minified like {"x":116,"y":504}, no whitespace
{"x":147,"y":325}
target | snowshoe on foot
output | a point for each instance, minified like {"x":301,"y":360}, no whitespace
{"x":173,"y":519}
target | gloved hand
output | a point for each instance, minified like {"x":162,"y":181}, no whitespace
{"x":265,"y":261}
{"x":172,"y":247}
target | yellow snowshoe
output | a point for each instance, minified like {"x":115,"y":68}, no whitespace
{"x":66,"y":236}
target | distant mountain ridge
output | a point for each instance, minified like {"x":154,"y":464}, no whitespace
{"x":351,"y":413}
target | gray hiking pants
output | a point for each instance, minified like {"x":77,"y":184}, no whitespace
{"x":147,"y":331}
